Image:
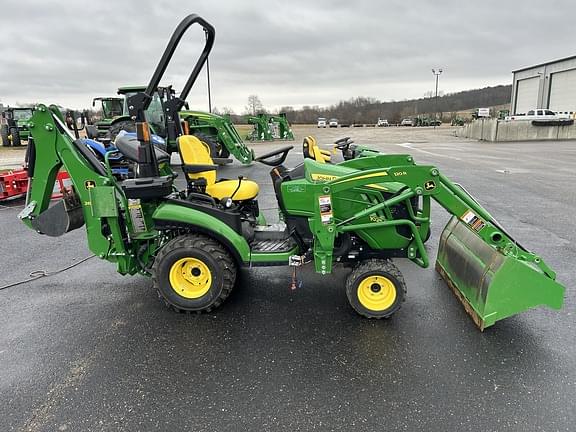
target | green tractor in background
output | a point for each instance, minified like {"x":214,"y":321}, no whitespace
{"x":112,"y":108}
{"x":261,"y":130}
{"x":280,"y":127}
{"x":269,"y":127}
{"x":217,"y":132}
{"x":424,"y":120}
{"x":14,"y":126}
{"x":457,"y":121}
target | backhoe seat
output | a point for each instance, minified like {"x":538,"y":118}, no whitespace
{"x":128,"y":146}
{"x":195,"y":155}
{"x":311,"y":150}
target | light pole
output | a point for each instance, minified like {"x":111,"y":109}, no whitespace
{"x":208,"y":77}
{"x":436,"y":73}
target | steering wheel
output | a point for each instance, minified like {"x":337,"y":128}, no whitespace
{"x":278,"y":156}
{"x":343,"y":143}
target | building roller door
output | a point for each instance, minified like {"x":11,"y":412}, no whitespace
{"x":563,"y":91}
{"x":527,"y":95}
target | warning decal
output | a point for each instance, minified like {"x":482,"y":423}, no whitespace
{"x":473,"y":221}
{"x":325,"y":204}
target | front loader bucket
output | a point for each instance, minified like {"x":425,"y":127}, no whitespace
{"x":490,"y":284}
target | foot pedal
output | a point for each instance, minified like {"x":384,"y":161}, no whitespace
{"x":222,"y":161}
{"x":273,"y":245}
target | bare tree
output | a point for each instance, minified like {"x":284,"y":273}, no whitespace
{"x":254,"y":105}
{"x":227,"y":110}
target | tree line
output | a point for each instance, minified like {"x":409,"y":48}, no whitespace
{"x":368,"y":109}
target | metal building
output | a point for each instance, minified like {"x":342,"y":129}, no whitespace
{"x":549,"y":85}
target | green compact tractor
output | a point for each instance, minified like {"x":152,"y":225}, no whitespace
{"x":356,"y":215}
{"x":457,"y":121}
{"x":423,"y":120}
{"x":261,"y":130}
{"x":216,"y":131}
{"x":112,"y":108}
{"x":14,"y":126}
{"x":268,"y":127}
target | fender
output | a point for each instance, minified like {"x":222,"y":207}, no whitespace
{"x":175,"y":214}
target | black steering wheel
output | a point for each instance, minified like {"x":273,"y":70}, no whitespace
{"x":343,"y":143}
{"x":275,"y":157}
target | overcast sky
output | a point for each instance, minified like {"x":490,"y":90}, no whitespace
{"x":286,"y":52}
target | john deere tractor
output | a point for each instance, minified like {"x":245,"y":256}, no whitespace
{"x":217,"y":132}
{"x":356,"y":215}
{"x":112,"y":108}
{"x":14,"y":126}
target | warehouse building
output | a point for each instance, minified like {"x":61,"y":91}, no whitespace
{"x":549,"y":85}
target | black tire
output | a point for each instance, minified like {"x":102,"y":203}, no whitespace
{"x":4,"y":132}
{"x":217,"y":150}
{"x":224,"y":153}
{"x":126,"y":125}
{"x":198,"y":249}
{"x":386,"y":284}
{"x":16,"y":141}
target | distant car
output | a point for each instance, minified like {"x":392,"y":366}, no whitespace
{"x":382,"y":123}
{"x":321,"y":122}
{"x":407,"y":122}
{"x":536,"y":114}
{"x":333,"y":123}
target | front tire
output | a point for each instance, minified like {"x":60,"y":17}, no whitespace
{"x":376,"y":288}
{"x":193,"y":273}
{"x":16,"y":141}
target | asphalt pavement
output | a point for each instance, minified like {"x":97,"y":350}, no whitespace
{"x":89,"y":349}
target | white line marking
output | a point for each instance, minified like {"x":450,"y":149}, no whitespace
{"x":409,"y":146}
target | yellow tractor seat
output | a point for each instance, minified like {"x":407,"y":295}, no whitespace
{"x":311,"y":150}
{"x":199,"y":168}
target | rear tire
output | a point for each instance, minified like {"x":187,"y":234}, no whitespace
{"x":124,"y":125}
{"x":16,"y":141}
{"x":4,"y":132}
{"x":193,"y":273}
{"x":376,"y":288}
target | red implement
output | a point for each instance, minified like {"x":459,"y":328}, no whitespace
{"x":15,"y":183}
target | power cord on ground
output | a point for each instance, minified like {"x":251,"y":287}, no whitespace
{"x":38,"y":274}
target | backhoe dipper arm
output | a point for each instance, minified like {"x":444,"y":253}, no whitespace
{"x":93,"y":200}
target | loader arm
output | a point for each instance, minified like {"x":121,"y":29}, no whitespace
{"x":488,"y":270}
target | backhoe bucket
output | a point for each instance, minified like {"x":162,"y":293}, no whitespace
{"x":490,"y":284}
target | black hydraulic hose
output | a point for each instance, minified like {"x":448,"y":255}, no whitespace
{"x":37,"y":274}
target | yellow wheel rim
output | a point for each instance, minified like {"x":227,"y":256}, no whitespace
{"x":376,"y":293}
{"x":190,"y":278}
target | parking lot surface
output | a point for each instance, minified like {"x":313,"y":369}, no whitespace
{"x":89,"y":349}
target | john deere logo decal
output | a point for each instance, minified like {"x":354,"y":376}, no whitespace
{"x":429,"y":185}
